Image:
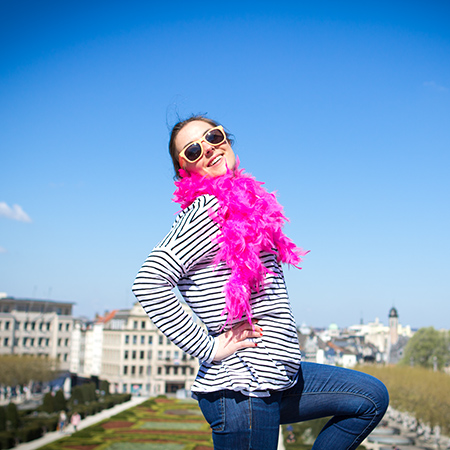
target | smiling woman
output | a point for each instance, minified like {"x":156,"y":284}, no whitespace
{"x":194,"y":131}
{"x":224,"y":253}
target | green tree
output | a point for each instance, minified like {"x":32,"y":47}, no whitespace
{"x":2,"y":419}
{"x":12,"y":415}
{"x":104,"y":386}
{"x":22,"y":369}
{"x":426,"y":347}
{"x":48,"y":404}
{"x":59,"y":401}
{"x":77,"y":396}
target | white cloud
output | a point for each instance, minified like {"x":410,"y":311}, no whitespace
{"x":3,"y":250}
{"x":434,"y":85}
{"x":15,"y":212}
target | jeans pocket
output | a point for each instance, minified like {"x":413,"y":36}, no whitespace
{"x":212,"y":405}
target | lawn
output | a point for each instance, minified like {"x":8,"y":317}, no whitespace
{"x":157,"y":424}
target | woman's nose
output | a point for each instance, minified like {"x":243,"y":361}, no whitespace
{"x":207,"y":148}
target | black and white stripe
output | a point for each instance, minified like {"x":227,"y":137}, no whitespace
{"x":184,"y":258}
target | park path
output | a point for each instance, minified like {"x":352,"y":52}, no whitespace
{"x":87,"y":422}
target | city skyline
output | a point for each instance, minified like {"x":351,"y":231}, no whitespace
{"x":341,"y":109}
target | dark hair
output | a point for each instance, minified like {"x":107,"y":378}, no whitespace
{"x":174,"y":133}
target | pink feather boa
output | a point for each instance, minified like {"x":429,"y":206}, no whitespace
{"x":251,"y":221}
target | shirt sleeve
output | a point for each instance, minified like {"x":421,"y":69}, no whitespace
{"x":188,"y":242}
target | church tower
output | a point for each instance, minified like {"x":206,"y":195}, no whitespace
{"x":393,"y":326}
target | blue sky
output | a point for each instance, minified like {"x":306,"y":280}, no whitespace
{"x":343,"y":108}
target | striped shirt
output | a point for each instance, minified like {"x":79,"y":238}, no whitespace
{"x":185,"y":258}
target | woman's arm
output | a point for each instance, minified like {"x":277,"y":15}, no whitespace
{"x":187,"y":242}
{"x":190,"y":240}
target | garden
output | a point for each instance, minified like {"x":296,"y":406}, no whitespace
{"x":156,"y":424}
{"x":18,"y":426}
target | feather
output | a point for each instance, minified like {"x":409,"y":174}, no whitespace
{"x":251,"y":221}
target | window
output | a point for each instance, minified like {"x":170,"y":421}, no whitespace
{"x":32,"y":342}
{"x":33,"y":326}
{"x":149,"y":370}
{"x":125,"y":371}
{"x":47,"y":342}
{"x":133,"y":370}
{"x":67,"y":326}
{"x":65,"y":357}
{"x":48,"y":326}
{"x":59,"y":342}
{"x":159,"y":370}
{"x":141,"y":370}
{"x":183,"y":370}
{"x":135,"y":339}
{"x":143,"y":324}
{"x":167,"y":354}
{"x":141,"y":356}
{"x":60,"y":327}
{"x":142,"y":339}
{"x":135,"y":325}
{"x":149,"y":354}
{"x":159,"y":354}
{"x":41,"y":340}
{"x":66,"y":342}
{"x":17,"y":327}
{"x":176,"y":354}
{"x":161,"y":340}
{"x":175,"y":370}
{"x":192,"y":370}
{"x":25,"y":325}
{"x":6,"y":342}
{"x":133,"y":354}
{"x":24,"y":342}
{"x":127,"y":339}
{"x":7,"y":325}
{"x":41,"y":326}
{"x":167,"y":370}
{"x":125,"y":355}
{"x":150,"y":340}
{"x":167,"y":341}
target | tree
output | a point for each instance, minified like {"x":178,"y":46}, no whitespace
{"x":22,"y":369}
{"x":2,"y":419}
{"x":59,"y":401}
{"x":48,"y":404}
{"x":12,"y":416}
{"x":104,"y":386}
{"x":77,"y":396}
{"x":426,"y":347}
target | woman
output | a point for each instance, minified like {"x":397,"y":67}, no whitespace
{"x":224,"y":252}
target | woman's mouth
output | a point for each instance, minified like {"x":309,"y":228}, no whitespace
{"x":215,"y":160}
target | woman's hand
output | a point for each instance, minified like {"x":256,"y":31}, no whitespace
{"x":235,"y":339}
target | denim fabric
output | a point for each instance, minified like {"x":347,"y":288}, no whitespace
{"x":356,"y":402}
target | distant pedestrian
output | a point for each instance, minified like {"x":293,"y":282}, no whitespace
{"x":75,"y":420}
{"x":62,"y":421}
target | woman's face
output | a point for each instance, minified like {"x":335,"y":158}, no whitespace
{"x":215,"y":158}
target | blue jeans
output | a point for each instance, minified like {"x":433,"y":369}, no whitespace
{"x":356,"y":401}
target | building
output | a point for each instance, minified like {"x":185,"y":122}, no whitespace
{"x":36,"y":327}
{"x":125,"y":348}
{"x":393,"y":326}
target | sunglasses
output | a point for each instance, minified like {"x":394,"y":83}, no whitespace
{"x":194,"y":151}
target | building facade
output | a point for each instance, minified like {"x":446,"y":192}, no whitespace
{"x":36,"y":327}
{"x":126,"y":349}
